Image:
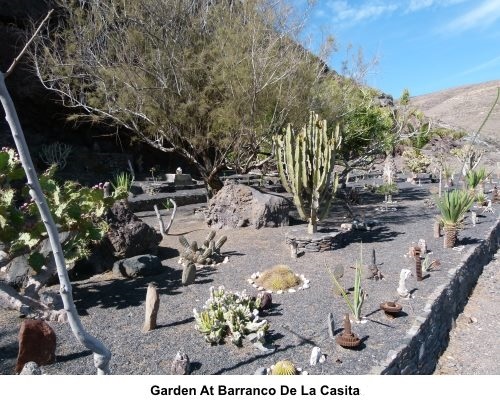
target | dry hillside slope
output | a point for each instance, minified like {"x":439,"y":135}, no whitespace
{"x":465,"y":107}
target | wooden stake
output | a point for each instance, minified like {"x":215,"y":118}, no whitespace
{"x":152,"y":306}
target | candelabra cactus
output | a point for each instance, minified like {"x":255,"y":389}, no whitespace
{"x":305,"y":164}
{"x":207,"y":253}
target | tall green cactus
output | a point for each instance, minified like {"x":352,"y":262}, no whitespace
{"x":305,"y":164}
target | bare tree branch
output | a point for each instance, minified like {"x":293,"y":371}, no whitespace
{"x":23,"y":51}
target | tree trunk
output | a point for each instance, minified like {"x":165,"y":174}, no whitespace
{"x":214,"y":183}
{"x":450,"y":236}
{"x":437,"y":229}
{"x":101,"y":354}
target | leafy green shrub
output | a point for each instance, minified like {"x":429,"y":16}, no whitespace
{"x":74,"y":208}
{"x":387,"y":188}
{"x":230,"y":314}
{"x":416,"y":161}
{"x":277,"y":278}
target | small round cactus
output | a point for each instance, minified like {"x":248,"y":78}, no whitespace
{"x":279,"y":277}
{"x":284,"y":367}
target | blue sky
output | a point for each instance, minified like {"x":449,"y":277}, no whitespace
{"x":422,"y":45}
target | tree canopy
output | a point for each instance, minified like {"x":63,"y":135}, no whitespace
{"x":211,"y":80}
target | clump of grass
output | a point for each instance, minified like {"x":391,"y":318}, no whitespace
{"x":279,"y":277}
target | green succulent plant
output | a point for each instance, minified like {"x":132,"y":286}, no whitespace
{"x":121,"y":185}
{"x":305,"y":164}
{"x":230,"y":314}
{"x":277,"y":278}
{"x":474,"y":177}
{"x":207,"y":253}
{"x":358,"y":293}
{"x":74,"y":208}
{"x":453,"y":206}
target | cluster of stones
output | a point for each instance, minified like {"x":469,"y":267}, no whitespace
{"x":255,"y":276}
{"x":317,"y":242}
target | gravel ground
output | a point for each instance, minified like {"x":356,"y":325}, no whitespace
{"x":112,"y":309}
{"x":473,"y":347}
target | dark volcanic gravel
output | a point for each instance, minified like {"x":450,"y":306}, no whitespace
{"x":113,"y":309}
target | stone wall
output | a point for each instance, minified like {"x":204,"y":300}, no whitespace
{"x":318,"y":242}
{"x":428,"y":337}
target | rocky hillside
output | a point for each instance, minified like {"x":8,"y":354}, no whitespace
{"x":465,"y":107}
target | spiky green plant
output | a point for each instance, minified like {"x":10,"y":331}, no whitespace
{"x":358,"y":292}
{"x":481,"y":198}
{"x":278,"y":278}
{"x":121,"y":185}
{"x":305,"y":164}
{"x":453,"y":206}
{"x":474,"y":177}
{"x":284,"y":367}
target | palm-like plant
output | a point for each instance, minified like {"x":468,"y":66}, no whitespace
{"x":453,"y":206}
{"x":474,"y":177}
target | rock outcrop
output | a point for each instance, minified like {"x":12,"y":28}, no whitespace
{"x":237,"y":205}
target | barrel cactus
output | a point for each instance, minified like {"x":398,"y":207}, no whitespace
{"x":284,"y":367}
{"x":278,"y":278}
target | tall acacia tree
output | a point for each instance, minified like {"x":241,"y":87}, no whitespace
{"x":209,"y":79}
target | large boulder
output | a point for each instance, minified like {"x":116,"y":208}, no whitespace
{"x":237,"y":205}
{"x":128,"y":235}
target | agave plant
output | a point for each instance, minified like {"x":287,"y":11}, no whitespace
{"x":453,"y":206}
{"x":121,"y":185}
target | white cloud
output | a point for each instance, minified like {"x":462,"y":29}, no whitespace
{"x":416,"y":5}
{"x":345,"y":12}
{"x":492,"y":63}
{"x":482,"y":16}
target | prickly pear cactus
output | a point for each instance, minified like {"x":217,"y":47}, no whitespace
{"x":188,"y":274}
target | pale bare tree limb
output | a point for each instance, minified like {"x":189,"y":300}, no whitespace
{"x":23,"y":51}
{"x":164,"y":229}
{"x":101,"y":354}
